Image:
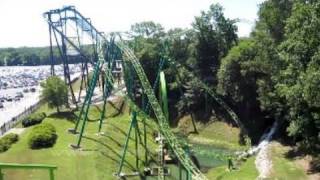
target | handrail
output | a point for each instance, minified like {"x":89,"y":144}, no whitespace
{"x":51,"y":168}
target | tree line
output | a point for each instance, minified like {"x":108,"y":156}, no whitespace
{"x":33,"y":56}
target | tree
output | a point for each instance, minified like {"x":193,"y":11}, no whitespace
{"x":272,"y":18}
{"x":147,"y":29}
{"x":55,"y":92}
{"x":147,"y":46}
{"x":237,"y":81}
{"x":298,"y":81}
{"x":215,"y":36}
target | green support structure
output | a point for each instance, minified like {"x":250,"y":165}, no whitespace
{"x":164,"y":98}
{"x":125,"y":148}
{"x":214,"y":95}
{"x":51,"y":168}
{"x":106,"y":93}
{"x":162,"y":120}
{"x":160,"y":110}
{"x":89,"y":93}
{"x":86,"y":105}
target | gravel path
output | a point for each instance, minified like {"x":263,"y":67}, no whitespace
{"x":263,"y":161}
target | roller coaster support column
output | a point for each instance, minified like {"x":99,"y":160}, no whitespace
{"x":86,"y":104}
{"x":51,"y":49}
{"x":107,"y":91}
{"x":146,"y":107}
{"x":125,"y":148}
{"x":145,"y":134}
{"x":164,"y":98}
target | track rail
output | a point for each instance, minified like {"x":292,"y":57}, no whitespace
{"x":164,"y":127}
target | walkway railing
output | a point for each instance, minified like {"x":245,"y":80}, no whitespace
{"x":14,"y":120}
{"x":51,"y":168}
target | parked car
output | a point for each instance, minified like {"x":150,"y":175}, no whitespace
{"x":1,"y":105}
{"x":33,"y":89}
{"x":19,"y":94}
{"x":9,"y":98}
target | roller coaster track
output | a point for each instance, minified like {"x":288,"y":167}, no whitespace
{"x":130,"y":59}
{"x":172,"y":140}
{"x":214,"y":95}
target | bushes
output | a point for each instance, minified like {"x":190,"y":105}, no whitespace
{"x":7,"y":140}
{"x":11,"y":138}
{"x":42,"y":136}
{"x":33,"y":119}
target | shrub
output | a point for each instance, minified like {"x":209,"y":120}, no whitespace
{"x":11,"y":138}
{"x":42,"y":136}
{"x":4,"y":145}
{"x":7,"y":140}
{"x":33,"y":119}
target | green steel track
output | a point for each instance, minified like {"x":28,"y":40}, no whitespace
{"x":106,"y":56}
{"x":215,"y":96}
{"x":128,"y":55}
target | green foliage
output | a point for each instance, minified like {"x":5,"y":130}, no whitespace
{"x":33,"y":119}
{"x":272,"y":17}
{"x":4,"y":146}
{"x":215,"y":36}
{"x":240,"y":75}
{"x":32,"y":56}
{"x":7,"y":140}
{"x":55,"y":92}
{"x":146,"y":44}
{"x":236,"y":78}
{"x":147,"y":29}
{"x":11,"y":138}
{"x":201,"y":50}
{"x":298,"y":82}
{"x":42,"y":136}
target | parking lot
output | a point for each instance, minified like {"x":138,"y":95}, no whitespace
{"x":20,"y":87}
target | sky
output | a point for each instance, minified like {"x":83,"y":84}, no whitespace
{"x":22,"y":23}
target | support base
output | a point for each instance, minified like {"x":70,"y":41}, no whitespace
{"x":100,"y":134}
{"x":75,"y":147}
{"x":72,"y":131}
{"x":122,"y":175}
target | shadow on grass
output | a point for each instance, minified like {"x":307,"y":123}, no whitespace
{"x":120,"y":130}
{"x":113,"y":151}
{"x":68,"y":115}
{"x":119,"y":111}
{"x":300,"y":152}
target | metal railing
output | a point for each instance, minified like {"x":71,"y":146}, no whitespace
{"x":14,"y":120}
{"x":51,"y":168}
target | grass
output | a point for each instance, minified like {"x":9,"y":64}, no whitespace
{"x":219,"y":134}
{"x":247,"y":171}
{"x":284,"y":168}
{"x":76,"y":84}
{"x":98,"y":159}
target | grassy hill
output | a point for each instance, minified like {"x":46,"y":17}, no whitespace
{"x":98,"y":158}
